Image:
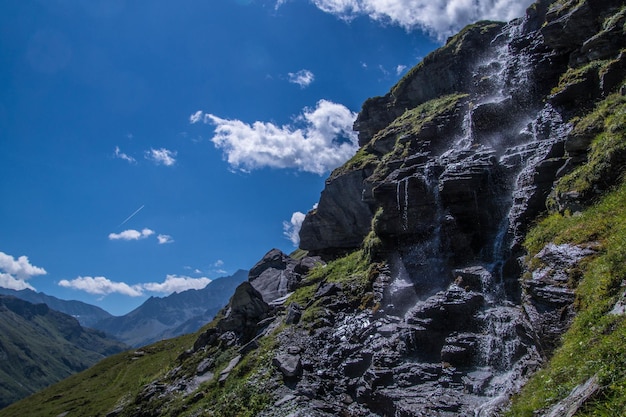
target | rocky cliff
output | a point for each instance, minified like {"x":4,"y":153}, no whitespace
{"x":425,"y":284}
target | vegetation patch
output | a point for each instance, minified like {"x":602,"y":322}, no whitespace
{"x":406,"y":128}
{"x":606,"y":160}
{"x":596,"y":342}
{"x":107,"y":385}
{"x":352,"y":272}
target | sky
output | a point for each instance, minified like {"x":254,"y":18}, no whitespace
{"x":149,"y":146}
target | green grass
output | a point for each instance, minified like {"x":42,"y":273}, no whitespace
{"x":101,"y":388}
{"x":244,"y":393}
{"x":353,"y":272}
{"x":40,"y":346}
{"x":406,"y":127}
{"x":596,"y":342}
{"x":606,"y":160}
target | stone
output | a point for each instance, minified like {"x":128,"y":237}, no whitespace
{"x":229,"y":368}
{"x":274,"y":275}
{"x":288,"y":364}
{"x":341,"y":219}
{"x":245,"y":309}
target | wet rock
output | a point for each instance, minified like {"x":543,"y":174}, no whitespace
{"x":548,"y":294}
{"x":460,"y":349}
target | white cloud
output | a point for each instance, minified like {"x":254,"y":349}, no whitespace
{"x":439,"y":18}
{"x":291,"y":229}
{"x":15,"y":272}
{"x":12,"y":283}
{"x":400,"y":69}
{"x":219,"y":263}
{"x":21,"y":267}
{"x":303,"y":78}
{"x":163,"y":239}
{"x":177,"y":283}
{"x":161,"y":156}
{"x":102,"y":286}
{"x":318,"y":141}
{"x":121,"y":155}
{"x":196,"y":117}
{"x":131,"y":234}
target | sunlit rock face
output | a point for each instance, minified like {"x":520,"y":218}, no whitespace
{"x":456,"y":161}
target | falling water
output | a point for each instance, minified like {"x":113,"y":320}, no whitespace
{"x":403,"y":202}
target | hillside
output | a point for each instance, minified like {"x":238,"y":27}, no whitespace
{"x":470,"y":259}
{"x":179,"y":313}
{"x":40,"y":346}
{"x":86,"y":314}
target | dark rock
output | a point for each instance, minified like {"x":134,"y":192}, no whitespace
{"x":288,"y":364}
{"x":274,"y":276}
{"x":294,"y":313}
{"x":459,"y":350}
{"x":341,"y":219}
{"x":245,"y":310}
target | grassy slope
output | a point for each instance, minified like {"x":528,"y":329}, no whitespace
{"x":99,"y":389}
{"x":596,"y":342}
{"x":40,"y":346}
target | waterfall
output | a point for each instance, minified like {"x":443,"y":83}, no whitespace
{"x":402,"y":202}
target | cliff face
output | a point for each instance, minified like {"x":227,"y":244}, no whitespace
{"x":417,"y":290}
{"x":456,"y":162}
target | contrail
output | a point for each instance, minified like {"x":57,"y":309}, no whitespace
{"x":131,"y":216}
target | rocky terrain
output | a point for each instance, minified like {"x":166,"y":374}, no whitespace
{"x":427,"y":283}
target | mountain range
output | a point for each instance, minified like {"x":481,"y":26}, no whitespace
{"x":40,"y":346}
{"x":86,"y":314}
{"x":179,"y":313}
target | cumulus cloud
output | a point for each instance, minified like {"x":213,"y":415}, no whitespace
{"x":20,"y":267}
{"x":303,"y":78}
{"x":318,"y":140}
{"x":15,"y":272}
{"x":102,"y":286}
{"x":291,"y":229}
{"x":163,"y":239}
{"x":121,"y":155}
{"x":439,"y":18}
{"x":161,"y":156}
{"x":12,"y":283}
{"x":177,"y":283}
{"x":131,"y":234}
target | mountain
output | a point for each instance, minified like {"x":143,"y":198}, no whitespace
{"x":179,"y":313}
{"x":470,"y":259}
{"x":86,"y":314}
{"x":40,"y":346}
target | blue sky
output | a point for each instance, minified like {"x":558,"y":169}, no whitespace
{"x":148,"y":147}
